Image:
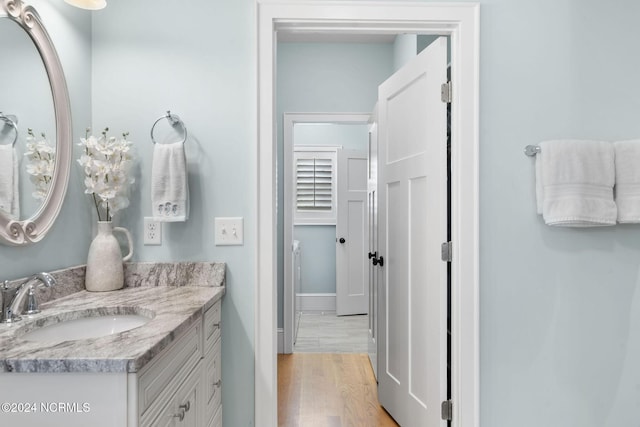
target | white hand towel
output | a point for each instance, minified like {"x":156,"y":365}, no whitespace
{"x":577,"y":180}
{"x":169,"y":186}
{"x":628,"y":180}
{"x":9,"y":193}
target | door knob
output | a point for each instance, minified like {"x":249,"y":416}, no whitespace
{"x":373,"y":254}
{"x":342,"y":240}
{"x":378,"y":261}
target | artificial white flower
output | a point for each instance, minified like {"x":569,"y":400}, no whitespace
{"x":106,"y":162}
{"x":41,"y":156}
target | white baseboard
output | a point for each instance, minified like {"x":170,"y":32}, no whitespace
{"x":318,"y":302}
{"x":280,"y":340}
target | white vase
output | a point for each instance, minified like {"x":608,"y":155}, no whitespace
{"x":105,"y":271}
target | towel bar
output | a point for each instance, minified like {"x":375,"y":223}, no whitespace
{"x":11,"y":121}
{"x":174,"y":120}
{"x":532,"y":150}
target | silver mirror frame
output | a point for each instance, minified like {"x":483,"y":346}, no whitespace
{"x":22,"y":232}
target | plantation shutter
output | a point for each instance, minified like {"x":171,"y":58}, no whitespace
{"x":315,"y":183}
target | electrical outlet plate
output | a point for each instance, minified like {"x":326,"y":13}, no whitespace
{"x":152,"y":231}
{"x":229,"y":231}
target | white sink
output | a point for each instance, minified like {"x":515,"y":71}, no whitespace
{"x":90,"y":326}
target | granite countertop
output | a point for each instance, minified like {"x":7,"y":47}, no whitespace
{"x":175,"y":308}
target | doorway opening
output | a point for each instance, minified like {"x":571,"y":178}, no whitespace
{"x":316,"y":249}
{"x":461,"y":23}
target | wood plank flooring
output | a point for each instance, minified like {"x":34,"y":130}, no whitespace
{"x":328,"y":390}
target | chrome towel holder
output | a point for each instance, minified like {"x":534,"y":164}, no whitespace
{"x":174,"y":120}
{"x":532,"y":150}
{"x":11,"y":121}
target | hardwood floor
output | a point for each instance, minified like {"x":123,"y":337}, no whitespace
{"x":328,"y":390}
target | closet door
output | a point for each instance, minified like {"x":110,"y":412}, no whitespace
{"x":352,"y":288}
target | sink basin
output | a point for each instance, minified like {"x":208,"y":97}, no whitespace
{"x":87,"y":324}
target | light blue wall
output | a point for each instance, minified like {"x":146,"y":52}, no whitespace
{"x":560,"y":308}
{"x":151,"y":56}
{"x":426,"y":40}
{"x":324,"y":78}
{"x":318,"y":242}
{"x":317,"y":257}
{"x":405,"y":47}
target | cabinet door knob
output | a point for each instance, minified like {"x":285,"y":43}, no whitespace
{"x":179,"y":416}
{"x":218,"y":383}
{"x":342,"y":240}
{"x":186,"y":406}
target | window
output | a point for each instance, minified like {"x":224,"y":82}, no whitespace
{"x":314,"y":196}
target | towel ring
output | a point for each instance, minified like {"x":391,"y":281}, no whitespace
{"x":174,"y":120}
{"x":11,"y":123}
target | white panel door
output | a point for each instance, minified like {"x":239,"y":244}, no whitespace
{"x":412,"y":177}
{"x":352,"y":287}
{"x":372,"y":207}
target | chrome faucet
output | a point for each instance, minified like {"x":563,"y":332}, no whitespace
{"x":12,"y":297}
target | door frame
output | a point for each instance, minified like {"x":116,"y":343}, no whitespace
{"x":289,"y":120}
{"x":461,"y":22}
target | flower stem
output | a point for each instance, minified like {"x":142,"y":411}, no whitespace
{"x":95,"y":201}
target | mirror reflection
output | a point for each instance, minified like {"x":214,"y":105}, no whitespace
{"x":27,"y":124}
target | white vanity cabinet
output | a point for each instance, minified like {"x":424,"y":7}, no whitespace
{"x":176,"y":358}
{"x":182,"y":385}
{"x":211,"y":367}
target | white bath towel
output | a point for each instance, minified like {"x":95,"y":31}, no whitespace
{"x":169,"y":186}
{"x":627,"y":190}
{"x":577,"y":179}
{"x":9,"y":172}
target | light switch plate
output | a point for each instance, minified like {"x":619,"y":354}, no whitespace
{"x":229,"y":231}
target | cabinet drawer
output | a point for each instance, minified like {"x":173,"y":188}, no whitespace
{"x":212,"y":374}
{"x":211,"y":326}
{"x":183,"y":409}
{"x":167,"y":370}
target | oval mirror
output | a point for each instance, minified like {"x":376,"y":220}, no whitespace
{"x":35,"y":127}
{"x":29,"y":119}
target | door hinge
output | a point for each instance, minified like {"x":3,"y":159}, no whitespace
{"x":446,"y":251}
{"x":447,"y":410}
{"x":446,"y":93}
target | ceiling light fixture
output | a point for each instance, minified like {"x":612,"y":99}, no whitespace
{"x":88,"y":4}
